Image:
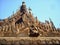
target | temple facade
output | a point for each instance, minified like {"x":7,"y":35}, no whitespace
{"x":24,"y":24}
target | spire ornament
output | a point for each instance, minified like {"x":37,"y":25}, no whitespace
{"x":30,"y":10}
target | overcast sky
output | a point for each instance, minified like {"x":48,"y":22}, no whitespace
{"x":43,"y":9}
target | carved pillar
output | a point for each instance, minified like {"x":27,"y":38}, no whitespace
{"x":6,"y":28}
{"x":13,"y":24}
{"x":3,"y":28}
{"x":10,"y":28}
{"x":0,"y":29}
{"x":19,"y":26}
{"x":17,"y":29}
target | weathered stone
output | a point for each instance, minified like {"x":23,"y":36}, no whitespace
{"x":23,"y":19}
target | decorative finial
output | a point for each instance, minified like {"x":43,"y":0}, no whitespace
{"x":30,"y":10}
{"x":50,"y":19}
{"x":23,"y":8}
{"x":13,"y":12}
{"x":23,"y":3}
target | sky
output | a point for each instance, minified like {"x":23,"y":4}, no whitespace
{"x":43,"y":9}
